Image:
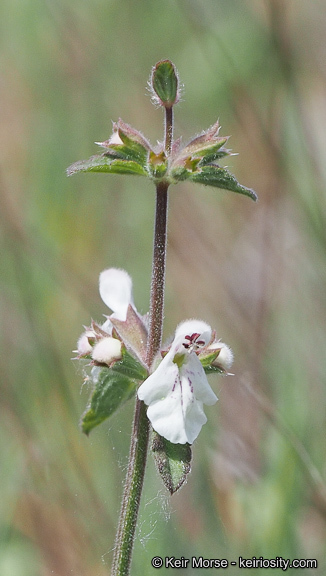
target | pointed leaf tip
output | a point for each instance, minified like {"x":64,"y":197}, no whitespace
{"x":173,"y":462}
{"x":217,"y":177}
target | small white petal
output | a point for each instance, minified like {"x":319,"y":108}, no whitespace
{"x":107,"y":326}
{"x":115,"y":138}
{"x":107,"y":350}
{"x":116,"y":291}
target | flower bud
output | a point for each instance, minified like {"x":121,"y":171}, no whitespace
{"x":224,"y":358}
{"x":107,"y":350}
{"x":165,"y":84}
{"x":84,"y":344}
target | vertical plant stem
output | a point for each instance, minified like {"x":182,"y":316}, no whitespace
{"x":168,"y":126}
{"x":158,"y":273}
{"x":140,"y":432}
{"x":132,"y":492}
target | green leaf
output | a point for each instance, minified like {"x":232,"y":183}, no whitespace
{"x":130,"y":367}
{"x":111,"y":390}
{"x":220,"y":178}
{"x":165,"y":83}
{"x":173,"y":462}
{"x":102,"y":163}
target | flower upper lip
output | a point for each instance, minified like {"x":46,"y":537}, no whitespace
{"x":115,"y":287}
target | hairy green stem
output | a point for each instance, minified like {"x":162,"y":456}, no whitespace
{"x":168,"y":129}
{"x":140,"y":431}
{"x":158,"y":274}
{"x":132,"y":492}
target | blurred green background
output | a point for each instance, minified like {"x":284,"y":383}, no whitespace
{"x":255,"y":272}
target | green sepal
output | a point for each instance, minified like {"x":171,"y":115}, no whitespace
{"x":197,"y":149}
{"x":208,"y":145}
{"x":133,"y":332}
{"x":103,"y":163}
{"x":210,"y":369}
{"x":173,"y":462}
{"x":122,"y":152}
{"x":178,"y":174}
{"x":157,"y":165}
{"x":220,"y":178}
{"x":212,"y":156}
{"x":134,"y":149}
{"x":208,"y":359}
{"x":134,"y":146}
{"x":165,"y":83}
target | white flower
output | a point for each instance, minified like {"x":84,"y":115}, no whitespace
{"x":176,"y":391}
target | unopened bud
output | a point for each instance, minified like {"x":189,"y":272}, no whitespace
{"x":224,"y":359}
{"x":84,"y":344}
{"x":165,"y":84}
{"x":107,"y":350}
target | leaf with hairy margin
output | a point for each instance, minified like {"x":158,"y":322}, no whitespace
{"x":173,"y":462}
{"x":102,"y":163}
{"x":220,"y":178}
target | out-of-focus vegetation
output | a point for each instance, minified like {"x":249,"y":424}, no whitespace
{"x":255,"y":272}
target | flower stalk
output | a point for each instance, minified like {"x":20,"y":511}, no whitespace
{"x":168,"y":130}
